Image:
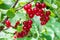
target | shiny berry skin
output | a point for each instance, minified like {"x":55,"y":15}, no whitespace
{"x":48,"y":13}
{"x":43,"y":5}
{"x":29,"y":11}
{"x":29,"y":26}
{"x":24,"y":33}
{"x":43,"y":22}
{"x":8,"y":24}
{"x":31,"y":15}
{"x":35,"y":10}
{"x":42,"y":15}
{"x":25,"y":28}
{"x":30,"y":22}
{"x":25,"y":7}
{"x":17,"y":23}
{"x":29,"y":6}
{"x":42,"y":19}
{"x":41,"y":11}
{"x":47,"y":18}
{"x":25,"y":23}
{"x":37,"y":4}
{"x":37,"y":14}
{"x":19,"y":35}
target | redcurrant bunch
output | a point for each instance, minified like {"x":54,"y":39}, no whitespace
{"x":38,"y":11}
{"x":26,"y":28}
{"x":28,"y":8}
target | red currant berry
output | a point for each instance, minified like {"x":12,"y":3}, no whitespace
{"x":29,"y":11}
{"x":19,"y":35}
{"x":43,"y":22}
{"x":30,"y":22}
{"x":25,"y":28}
{"x":31,"y":15}
{"x":29,"y":6}
{"x":15,"y":37}
{"x":41,"y":11}
{"x":37,"y":14}
{"x":43,"y":5}
{"x":42,"y":19}
{"x":29,"y":26}
{"x":42,"y":15}
{"x":23,"y":33}
{"x":8,"y":24}
{"x":47,"y":18}
{"x":25,"y":23}
{"x":17,"y":23}
{"x":35,"y":10}
{"x":37,"y":4}
{"x":25,"y":7}
{"x":48,"y":13}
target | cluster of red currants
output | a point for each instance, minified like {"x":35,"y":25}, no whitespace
{"x":26,"y":28}
{"x":38,"y":11}
{"x":8,"y":24}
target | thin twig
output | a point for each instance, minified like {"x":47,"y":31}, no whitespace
{"x":12,"y":7}
{"x":15,"y":4}
{"x":8,"y":17}
{"x":24,"y":5}
{"x":16,"y":10}
{"x":5,"y":20}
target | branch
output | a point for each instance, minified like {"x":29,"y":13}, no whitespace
{"x":24,"y":5}
{"x":16,"y":10}
{"x":8,"y":17}
{"x":5,"y":20}
{"x":15,"y":4}
{"x":12,"y":7}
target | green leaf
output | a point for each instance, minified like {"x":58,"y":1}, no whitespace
{"x":52,"y":14}
{"x":35,"y":1}
{"x":19,"y":28}
{"x":49,"y":1}
{"x":11,"y":13}
{"x":45,"y":36}
{"x":58,"y":3}
{"x":1,"y":1}
{"x":48,"y":4}
{"x":0,"y":16}
{"x":3,"y":38}
{"x":18,"y":16}
{"x":25,"y":38}
{"x":4,"y":6}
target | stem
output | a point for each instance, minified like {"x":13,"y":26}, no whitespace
{"x":15,"y":4}
{"x":16,"y":9}
{"x":8,"y":17}
{"x":5,"y":20}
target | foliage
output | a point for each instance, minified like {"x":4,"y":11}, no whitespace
{"x":50,"y":31}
